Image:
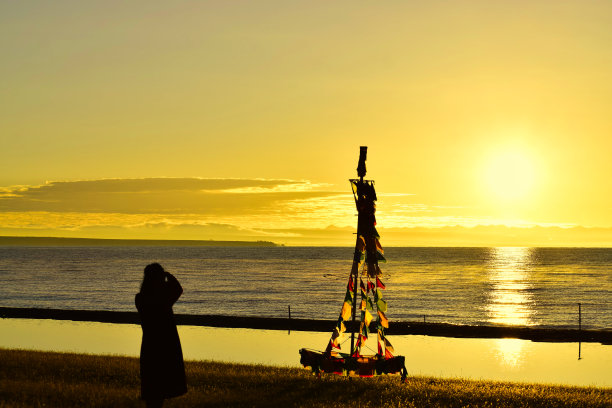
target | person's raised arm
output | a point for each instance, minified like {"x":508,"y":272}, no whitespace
{"x":175,"y":290}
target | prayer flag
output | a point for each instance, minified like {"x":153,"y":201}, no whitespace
{"x":383,"y":319}
{"x":335,"y":333}
{"x":378,"y":271}
{"x":381,"y":305}
{"x":367,"y":317}
{"x":357,"y":347}
{"x":369,"y":304}
{"x":363,"y":330}
{"x":379,"y":247}
{"x":379,"y":283}
{"x":361,"y":245}
{"x":348,"y":297}
{"x":358,"y":259}
{"x":362,"y":285}
{"x":388,"y":345}
{"x":371,"y":286}
{"x":388,"y":354}
{"x":345,"y":313}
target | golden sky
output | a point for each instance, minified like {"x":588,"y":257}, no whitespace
{"x":488,"y":123}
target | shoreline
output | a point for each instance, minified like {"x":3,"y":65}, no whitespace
{"x":537,"y":334}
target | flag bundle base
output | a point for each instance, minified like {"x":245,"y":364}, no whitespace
{"x":344,"y":364}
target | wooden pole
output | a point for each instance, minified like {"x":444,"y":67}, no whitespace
{"x":354,"y":276}
{"x":361,"y":172}
{"x":579,"y":331}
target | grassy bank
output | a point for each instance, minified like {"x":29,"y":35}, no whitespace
{"x":36,"y":379}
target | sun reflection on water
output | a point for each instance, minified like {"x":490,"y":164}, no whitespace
{"x":510,"y":301}
{"x":510,"y":352}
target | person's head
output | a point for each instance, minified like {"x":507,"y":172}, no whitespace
{"x":154,"y":278}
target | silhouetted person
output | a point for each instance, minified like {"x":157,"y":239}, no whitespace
{"x":162,"y":371}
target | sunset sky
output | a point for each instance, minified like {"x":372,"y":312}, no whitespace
{"x":487,"y":123}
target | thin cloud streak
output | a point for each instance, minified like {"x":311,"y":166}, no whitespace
{"x":285,"y":211}
{"x":53,"y":189}
{"x":159,"y":196}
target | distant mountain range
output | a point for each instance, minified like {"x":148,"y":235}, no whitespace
{"x":57,"y":241}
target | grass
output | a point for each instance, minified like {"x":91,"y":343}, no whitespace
{"x":45,"y":379}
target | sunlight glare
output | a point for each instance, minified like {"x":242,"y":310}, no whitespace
{"x":510,"y":175}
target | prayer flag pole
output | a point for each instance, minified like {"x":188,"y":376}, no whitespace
{"x":368,"y":249}
{"x":361,"y":172}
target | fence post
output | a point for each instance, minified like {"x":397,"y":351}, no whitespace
{"x":289,"y":309}
{"x":579,"y":316}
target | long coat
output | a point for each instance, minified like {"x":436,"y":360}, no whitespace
{"x":162,"y":371}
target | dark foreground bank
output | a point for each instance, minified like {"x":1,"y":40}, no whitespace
{"x":269,"y":323}
{"x":35,"y":379}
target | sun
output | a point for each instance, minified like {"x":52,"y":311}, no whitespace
{"x":510,"y":175}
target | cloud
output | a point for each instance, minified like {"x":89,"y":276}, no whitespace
{"x":284,"y":211}
{"x":151,"y":230}
{"x":159,"y":196}
{"x":140,"y":185}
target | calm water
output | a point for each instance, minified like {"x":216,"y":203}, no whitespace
{"x":516,"y":286}
{"x":495,"y":359}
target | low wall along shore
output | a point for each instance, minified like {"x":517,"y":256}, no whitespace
{"x":269,"y":323}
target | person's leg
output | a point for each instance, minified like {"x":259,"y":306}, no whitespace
{"x":156,"y":403}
